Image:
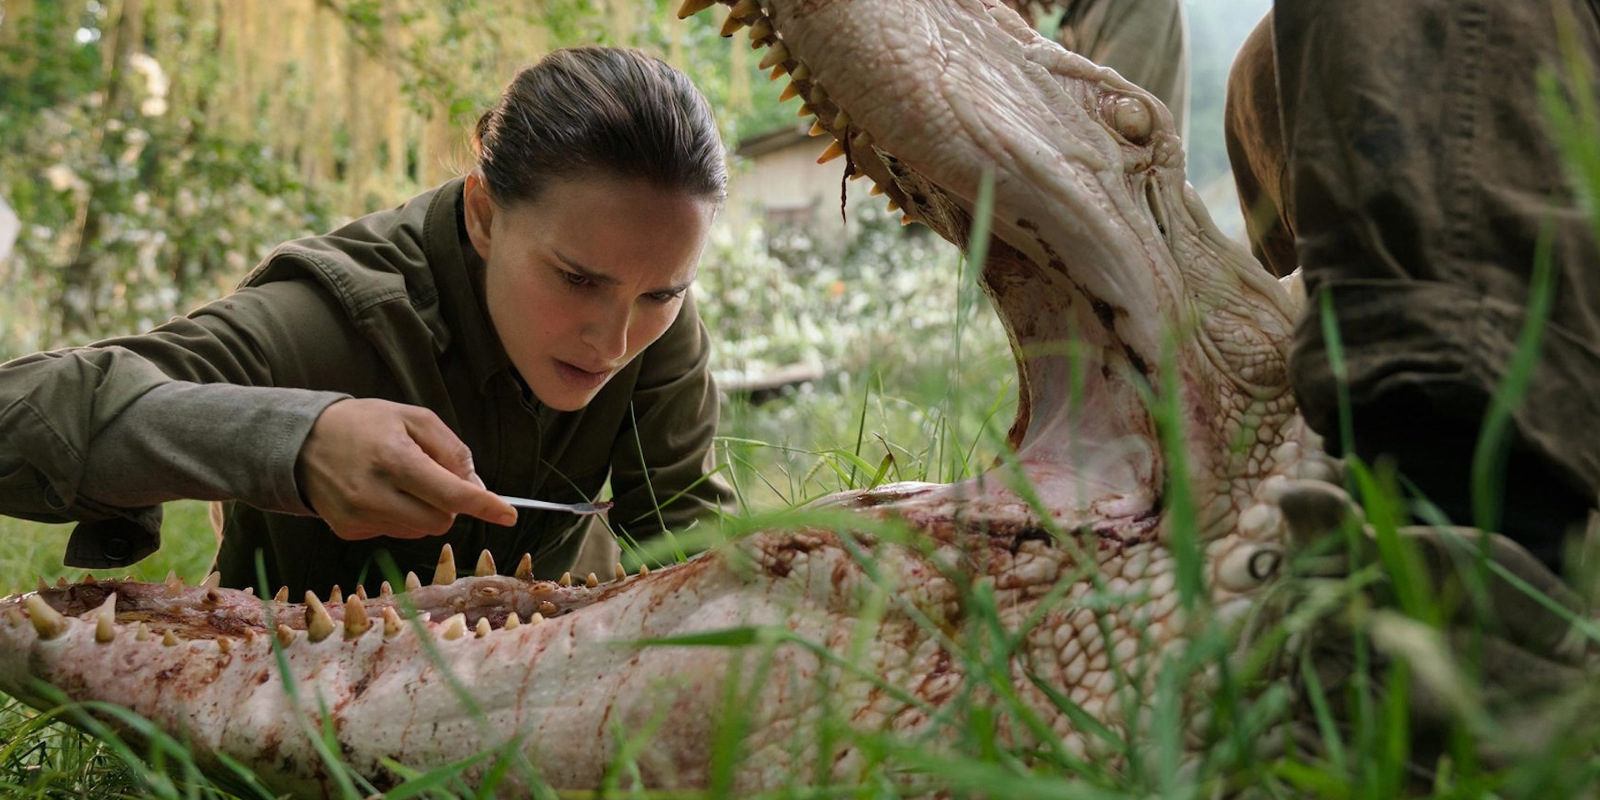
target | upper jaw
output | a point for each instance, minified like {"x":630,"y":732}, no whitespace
{"x":1043,"y":123}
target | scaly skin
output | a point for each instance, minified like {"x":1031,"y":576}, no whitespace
{"x":1114,"y":286}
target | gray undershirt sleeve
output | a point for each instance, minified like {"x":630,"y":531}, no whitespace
{"x":211,"y":441}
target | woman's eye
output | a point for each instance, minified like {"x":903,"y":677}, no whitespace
{"x":664,"y":297}
{"x":574,"y":279}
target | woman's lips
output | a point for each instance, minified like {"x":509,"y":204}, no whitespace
{"x":580,"y":377}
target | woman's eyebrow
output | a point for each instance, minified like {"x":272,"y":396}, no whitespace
{"x":587,"y":273}
{"x":607,"y":280}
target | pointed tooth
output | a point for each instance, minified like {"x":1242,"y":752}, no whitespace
{"x":693,"y":7}
{"x":386,"y":590}
{"x":336,"y":596}
{"x":173,"y":581}
{"x":835,"y":149}
{"x":775,"y":57}
{"x":817,"y":128}
{"x":42,"y":587}
{"x":413,"y":583}
{"x":513,"y":621}
{"x":319,"y":625}
{"x":212,"y":581}
{"x":591,"y":581}
{"x":355,"y":618}
{"x":142,"y":633}
{"x":566,"y":579}
{"x":249,"y":591}
{"x":618,"y":573}
{"x":445,"y":573}
{"x":906,"y":220}
{"x":745,"y":9}
{"x":525,"y":568}
{"x":361,"y":591}
{"x":841,"y":120}
{"x":805,"y":110}
{"x":801,"y":72}
{"x":644,"y":569}
{"x":47,"y":622}
{"x":547,"y":608}
{"x":893,"y":206}
{"x":61,"y":582}
{"x":169,"y":640}
{"x":731,"y":26}
{"x":88,"y":580}
{"x":485,"y":565}
{"x":105,"y":620}
{"x":455,"y":627}
{"x":536,"y":618}
{"x":391,"y":623}
{"x":875,"y":190}
{"x":224,"y":645}
{"x":788,"y":92}
{"x":760,"y":31}
{"x":283,"y":594}
{"x":285,"y":635}
{"x":482,"y":628}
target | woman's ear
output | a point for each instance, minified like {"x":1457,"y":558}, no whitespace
{"x":478,"y":211}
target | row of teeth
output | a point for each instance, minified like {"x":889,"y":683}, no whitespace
{"x":748,"y":14}
{"x":51,"y":624}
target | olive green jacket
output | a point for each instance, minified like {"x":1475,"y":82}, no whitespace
{"x":216,"y":405}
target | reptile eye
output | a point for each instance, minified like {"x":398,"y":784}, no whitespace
{"x":1132,"y":118}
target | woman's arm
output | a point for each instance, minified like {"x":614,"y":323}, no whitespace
{"x":226,"y":403}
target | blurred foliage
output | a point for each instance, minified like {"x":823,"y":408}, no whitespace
{"x":778,"y":297}
{"x":155,"y":150}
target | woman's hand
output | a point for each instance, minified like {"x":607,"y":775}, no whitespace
{"x":375,"y":468}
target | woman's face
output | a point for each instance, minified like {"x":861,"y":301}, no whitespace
{"x":582,"y":279}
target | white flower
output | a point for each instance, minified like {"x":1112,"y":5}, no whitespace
{"x":62,"y":178}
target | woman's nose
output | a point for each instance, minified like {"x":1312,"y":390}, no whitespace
{"x":607,"y":334}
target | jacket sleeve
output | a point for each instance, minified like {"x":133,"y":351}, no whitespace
{"x":142,"y":419}
{"x":662,"y":475}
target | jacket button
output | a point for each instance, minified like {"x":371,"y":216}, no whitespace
{"x":117,"y":548}
{"x":52,"y":499}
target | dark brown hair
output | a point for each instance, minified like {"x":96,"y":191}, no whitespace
{"x":609,"y":109}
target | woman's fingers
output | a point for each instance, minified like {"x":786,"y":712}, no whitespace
{"x":375,"y":468}
{"x":395,"y":514}
{"x":459,"y":491}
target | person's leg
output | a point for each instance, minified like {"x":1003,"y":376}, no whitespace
{"x":1422,"y":176}
{"x":1255,"y":151}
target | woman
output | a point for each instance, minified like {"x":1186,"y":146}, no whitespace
{"x":525,"y":329}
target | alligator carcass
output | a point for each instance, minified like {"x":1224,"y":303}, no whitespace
{"x":1153,"y":407}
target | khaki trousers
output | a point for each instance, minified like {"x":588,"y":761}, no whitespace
{"x":1399,"y":154}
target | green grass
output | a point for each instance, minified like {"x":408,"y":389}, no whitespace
{"x":29,"y":550}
